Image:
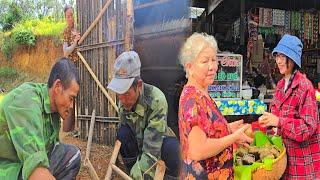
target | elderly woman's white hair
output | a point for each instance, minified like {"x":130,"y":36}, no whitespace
{"x":193,"y":46}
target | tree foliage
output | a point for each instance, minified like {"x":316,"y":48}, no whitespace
{"x":14,"y":11}
{"x":13,"y":16}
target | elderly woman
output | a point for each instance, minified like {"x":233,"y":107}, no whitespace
{"x":206,"y":137}
{"x":294,"y":112}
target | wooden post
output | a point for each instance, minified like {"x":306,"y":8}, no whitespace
{"x":161,"y":169}
{"x":87,"y":162}
{"x":129,"y":27}
{"x":90,"y":134}
{"x":111,"y":58}
{"x":98,"y":82}
{"x":120,"y":172}
{"x":105,"y":7}
{"x":91,"y":169}
{"x":113,"y":159}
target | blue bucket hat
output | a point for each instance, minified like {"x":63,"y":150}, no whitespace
{"x":290,"y":46}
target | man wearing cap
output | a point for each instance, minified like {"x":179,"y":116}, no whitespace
{"x":294,"y":112}
{"x":143,"y":131}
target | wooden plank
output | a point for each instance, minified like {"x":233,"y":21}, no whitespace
{"x":160,"y":170}
{"x":90,"y":134}
{"x":111,"y":59}
{"x":98,"y":82}
{"x":153,"y":3}
{"x":101,"y":45}
{"x":113,"y":159}
{"x":105,"y":119}
{"x":120,"y":172}
{"x":105,"y":7}
{"x":91,"y":169}
{"x":100,"y":67}
{"x":128,"y":37}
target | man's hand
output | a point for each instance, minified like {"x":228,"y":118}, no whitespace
{"x":68,"y":123}
{"x":268,"y":119}
{"x":41,"y":173}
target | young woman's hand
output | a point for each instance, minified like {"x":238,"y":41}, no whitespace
{"x":268,"y":119}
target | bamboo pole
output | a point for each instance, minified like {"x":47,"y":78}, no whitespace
{"x":98,"y":82}
{"x":160,"y":170}
{"x":90,"y":134}
{"x":129,"y":27}
{"x":113,"y":159}
{"x":92,"y":171}
{"x":105,"y":7}
{"x":120,"y":172}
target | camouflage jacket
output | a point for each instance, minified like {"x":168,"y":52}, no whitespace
{"x":149,"y":121}
{"x":28,"y":130}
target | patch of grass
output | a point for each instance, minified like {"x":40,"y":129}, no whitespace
{"x":25,"y":33}
{"x":42,"y":27}
{"x":7,"y":46}
{"x":11,"y":78}
{"x":8,"y":72}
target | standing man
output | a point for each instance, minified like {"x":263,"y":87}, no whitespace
{"x":143,"y":132}
{"x":29,"y":128}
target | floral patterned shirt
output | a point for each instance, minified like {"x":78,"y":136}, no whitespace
{"x":196,"y":109}
{"x":68,"y":38}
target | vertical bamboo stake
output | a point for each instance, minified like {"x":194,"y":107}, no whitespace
{"x":160,"y":170}
{"x":98,"y":82}
{"x":90,"y":134}
{"x":113,"y":159}
{"x":105,"y":7}
{"x":92,"y":172}
{"x":120,"y":172}
{"x":129,"y":27}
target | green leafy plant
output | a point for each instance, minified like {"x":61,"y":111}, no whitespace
{"x":13,"y":16}
{"x":7,"y":46}
{"x":24,"y":37}
{"x":42,"y":27}
{"x":8,"y":72}
{"x":25,"y":33}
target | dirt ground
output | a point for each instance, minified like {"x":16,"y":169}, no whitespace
{"x":99,"y":157}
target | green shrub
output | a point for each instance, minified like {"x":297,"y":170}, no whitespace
{"x":25,"y":33}
{"x":24,"y":37}
{"x":16,"y":38}
{"x":42,"y":27}
{"x":8,"y":72}
{"x":7,"y":46}
{"x":12,"y":17}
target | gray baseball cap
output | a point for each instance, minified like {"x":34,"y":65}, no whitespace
{"x":126,"y":68}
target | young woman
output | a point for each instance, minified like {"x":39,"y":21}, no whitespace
{"x":294,"y":112}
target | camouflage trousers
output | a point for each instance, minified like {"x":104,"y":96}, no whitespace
{"x":170,"y":151}
{"x":65,"y":162}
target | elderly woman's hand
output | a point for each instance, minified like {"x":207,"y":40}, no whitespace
{"x":268,"y":119}
{"x":241,"y":138}
{"x":235,"y":125}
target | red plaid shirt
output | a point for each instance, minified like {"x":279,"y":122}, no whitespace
{"x":299,"y":127}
